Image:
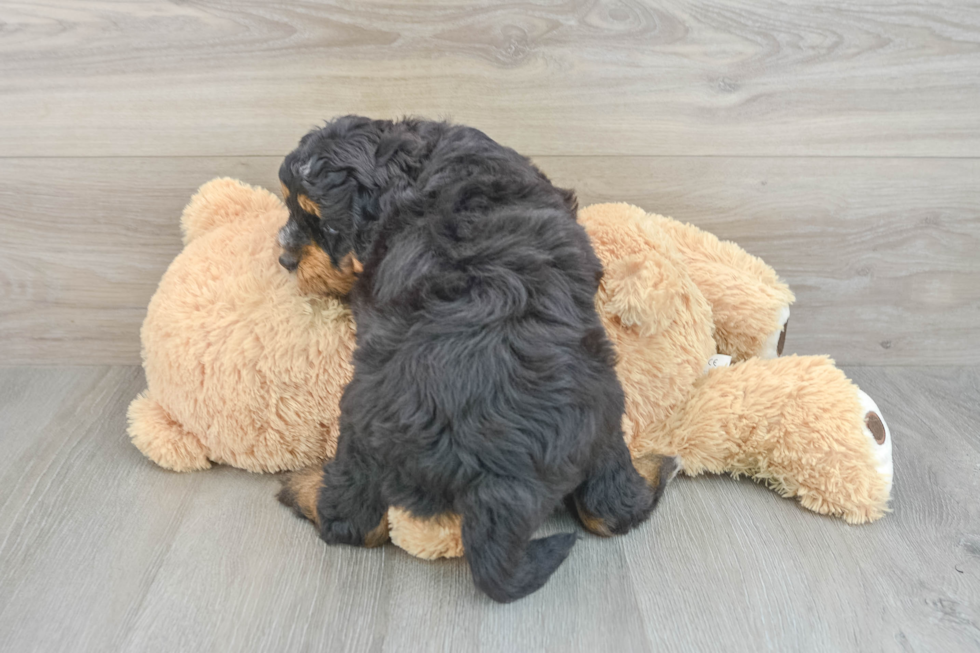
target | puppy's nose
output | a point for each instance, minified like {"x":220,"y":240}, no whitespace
{"x":289,"y":261}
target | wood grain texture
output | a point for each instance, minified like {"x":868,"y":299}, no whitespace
{"x":882,"y":253}
{"x":102,"y":551}
{"x":838,"y":140}
{"x":581,"y":77}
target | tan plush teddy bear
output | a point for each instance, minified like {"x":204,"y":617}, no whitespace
{"x":245,"y":363}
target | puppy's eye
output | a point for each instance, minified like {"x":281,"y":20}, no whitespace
{"x":332,"y":231}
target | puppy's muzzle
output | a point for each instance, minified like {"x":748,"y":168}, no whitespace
{"x":289,"y":261}
{"x":292,"y":239}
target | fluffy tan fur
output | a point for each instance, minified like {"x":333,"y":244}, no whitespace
{"x":743,"y":319}
{"x":242,"y":366}
{"x":439,"y":537}
{"x":245,"y":363}
{"x":791,"y":423}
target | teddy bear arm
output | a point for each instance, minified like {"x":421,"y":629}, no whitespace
{"x":161,"y":439}
{"x":750,"y":305}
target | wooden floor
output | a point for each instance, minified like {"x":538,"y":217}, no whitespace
{"x":839,"y":140}
{"x":103,"y":551}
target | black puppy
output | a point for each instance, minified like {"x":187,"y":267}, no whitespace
{"x":483,"y":383}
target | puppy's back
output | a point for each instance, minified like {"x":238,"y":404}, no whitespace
{"x":478,"y":327}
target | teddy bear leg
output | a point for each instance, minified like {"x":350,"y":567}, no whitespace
{"x":775,"y":342}
{"x":429,"y":539}
{"x":862,"y":492}
{"x":879,"y":436}
{"x":795,"y":423}
{"x":163,"y":440}
{"x":618,"y":493}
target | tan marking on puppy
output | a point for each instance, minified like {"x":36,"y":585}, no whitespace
{"x":300,"y":491}
{"x":285,"y":191}
{"x":379,"y":535}
{"x":657,"y":470}
{"x":316,"y":275}
{"x":593,"y":524}
{"x":308,"y":205}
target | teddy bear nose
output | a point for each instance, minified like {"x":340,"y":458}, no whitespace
{"x":289,"y":261}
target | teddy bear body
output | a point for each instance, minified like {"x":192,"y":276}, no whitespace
{"x":246,"y":363}
{"x":242,"y":366}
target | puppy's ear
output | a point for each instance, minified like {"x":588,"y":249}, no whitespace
{"x":286,"y":175}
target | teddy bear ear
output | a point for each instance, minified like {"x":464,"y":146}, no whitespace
{"x":223,"y":201}
{"x":634,"y":290}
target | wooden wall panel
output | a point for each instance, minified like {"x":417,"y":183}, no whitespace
{"x":838,"y":140}
{"x":730,"y":77}
{"x":882,"y":253}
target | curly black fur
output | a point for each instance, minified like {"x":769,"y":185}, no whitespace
{"x":484,"y":383}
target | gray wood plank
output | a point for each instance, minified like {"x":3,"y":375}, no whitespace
{"x":84,"y":523}
{"x":100,"y":550}
{"x":786,"y":579}
{"x":725,"y":77}
{"x":881,"y":252}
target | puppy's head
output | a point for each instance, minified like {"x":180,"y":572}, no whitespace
{"x":316,"y":273}
{"x":330,"y":185}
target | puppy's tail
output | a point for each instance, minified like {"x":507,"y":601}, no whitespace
{"x":301,"y":490}
{"x":505,"y":562}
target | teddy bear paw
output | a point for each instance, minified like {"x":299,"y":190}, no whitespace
{"x":773,"y":347}
{"x":162,"y":439}
{"x":876,"y":430}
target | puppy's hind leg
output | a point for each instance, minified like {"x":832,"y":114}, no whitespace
{"x":300,"y":491}
{"x":350,"y":509}
{"x":342,"y":500}
{"x":615,"y":497}
{"x":499,"y":517}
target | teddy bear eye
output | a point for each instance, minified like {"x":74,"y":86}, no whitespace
{"x":332,"y":231}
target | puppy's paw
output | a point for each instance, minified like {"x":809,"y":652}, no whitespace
{"x":343,"y":531}
{"x":301,"y":490}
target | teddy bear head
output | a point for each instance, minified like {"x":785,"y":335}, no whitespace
{"x":244,"y":361}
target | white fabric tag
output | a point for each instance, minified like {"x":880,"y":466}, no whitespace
{"x":718,"y":360}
